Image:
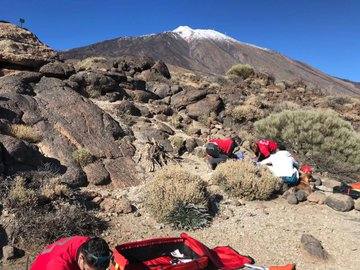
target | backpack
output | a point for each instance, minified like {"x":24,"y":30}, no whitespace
{"x":176,"y":253}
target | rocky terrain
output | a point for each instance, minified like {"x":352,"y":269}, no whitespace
{"x":212,"y":52}
{"x":90,"y":133}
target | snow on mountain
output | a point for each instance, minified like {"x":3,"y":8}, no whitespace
{"x":190,"y":34}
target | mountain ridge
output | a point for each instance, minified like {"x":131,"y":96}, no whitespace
{"x":204,"y":51}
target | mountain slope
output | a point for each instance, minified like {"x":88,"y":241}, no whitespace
{"x":212,"y":52}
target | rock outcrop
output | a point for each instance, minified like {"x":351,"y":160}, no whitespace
{"x":19,"y":47}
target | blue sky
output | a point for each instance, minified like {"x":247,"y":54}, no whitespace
{"x":322,"y":33}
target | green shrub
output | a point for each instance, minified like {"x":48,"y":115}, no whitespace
{"x":243,"y":179}
{"x":241,"y":70}
{"x":187,"y":216}
{"x":319,"y":136}
{"x":173,"y":186}
{"x":82,"y":156}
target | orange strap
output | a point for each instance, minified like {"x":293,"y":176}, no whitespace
{"x":284,"y":267}
{"x":355,"y":185}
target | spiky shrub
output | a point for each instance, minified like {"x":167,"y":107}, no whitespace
{"x":187,"y":216}
{"x":243,"y":179}
{"x":241,"y":70}
{"x":173,"y":186}
{"x":20,"y":195}
{"x":82,"y":156}
{"x":24,"y":132}
{"x":318,"y":136}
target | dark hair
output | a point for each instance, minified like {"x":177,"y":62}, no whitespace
{"x":96,"y":253}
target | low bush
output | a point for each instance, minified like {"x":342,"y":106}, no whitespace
{"x":24,"y":132}
{"x":241,"y":70}
{"x":320,"y":137}
{"x":243,"y":179}
{"x":250,"y":110}
{"x":82,"y":156}
{"x":171,"y":188}
{"x":43,"y":212}
{"x":40,"y":226}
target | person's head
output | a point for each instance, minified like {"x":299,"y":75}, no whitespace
{"x":94,"y":254}
{"x":237,"y":140}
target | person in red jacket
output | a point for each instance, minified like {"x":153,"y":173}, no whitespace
{"x":74,"y":253}
{"x":219,"y":150}
{"x":264,"y":148}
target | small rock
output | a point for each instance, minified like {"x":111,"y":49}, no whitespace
{"x":190,"y":144}
{"x":330,"y":183}
{"x":291,"y":199}
{"x":313,"y":247}
{"x":317,"y":197}
{"x":121,"y":206}
{"x":340,"y":202}
{"x":318,"y":182}
{"x":9,"y":252}
{"x":97,"y":200}
{"x":159,"y":226}
{"x":301,"y":195}
{"x":357,"y":204}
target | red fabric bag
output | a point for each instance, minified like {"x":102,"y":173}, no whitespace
{"x":155,"y":254}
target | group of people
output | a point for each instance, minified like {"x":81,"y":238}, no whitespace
{"x":266,"y":152}
{"x":84,"y":253}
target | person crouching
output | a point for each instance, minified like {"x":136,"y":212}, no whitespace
{"x":219,"y":150}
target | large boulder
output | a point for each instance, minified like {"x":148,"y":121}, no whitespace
{"x":16,"y":108}
{"x":74,"y":177}
{"x":161,"y":89}
{"x":73,"y":122}
{"x":211,"y":103}
{"x":95,"y":64}
{"x":187,"y":97}
{"x":136,"y":63}
{"x":126,"y":107}
{"x":17,"y":151}
{"x":161,"y":67}
{"x":20,"y":82}
{"x":141,"y":96}
{"x":20,"y":47}
{"x":94,"y":84}
{"x":58,"y":70}
{"x":340,"y":202}
{"x":96,"y":173}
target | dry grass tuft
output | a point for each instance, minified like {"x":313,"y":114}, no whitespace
{"x":243,"y":179}
{"x":82,"y":156}
{"x":21,"y":196}
{"x":54,"y":189}
{"x":173,"y":185}
{"x":24,"y":132}
{"x":249,"y":111}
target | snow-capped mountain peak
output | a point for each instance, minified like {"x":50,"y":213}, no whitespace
{"x":189,"y":34}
